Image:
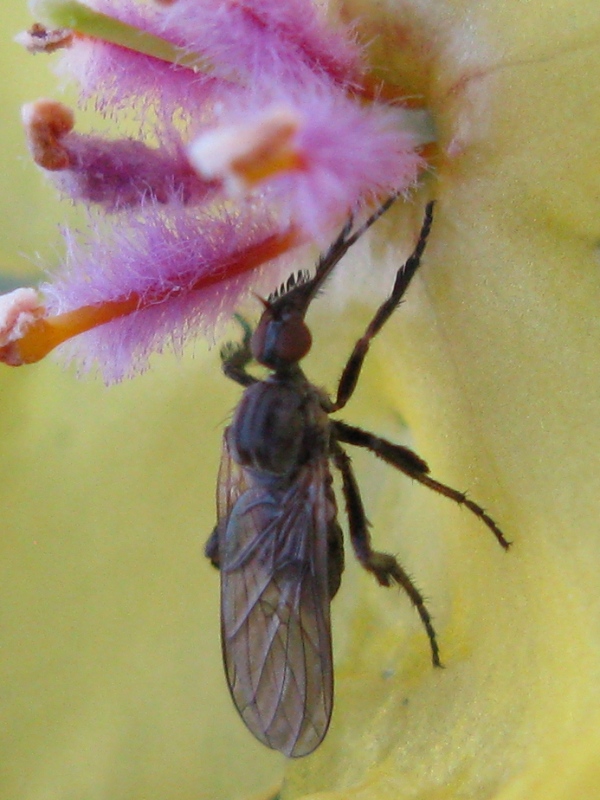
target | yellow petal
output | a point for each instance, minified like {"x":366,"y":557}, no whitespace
{"x":113,"y":683}
{"x":111,"y":671}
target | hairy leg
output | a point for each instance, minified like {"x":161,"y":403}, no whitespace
{"x":412,"y":465}
{"x":351,"y":371}
{"x":235,"y":357}
{"x":383,"y":566}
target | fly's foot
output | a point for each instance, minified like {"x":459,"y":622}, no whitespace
{"x":235,"y":356}
{"x":387,"y":570}
{"x":238,"y":353}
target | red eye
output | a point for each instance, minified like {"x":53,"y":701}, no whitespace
{"x":279,"y":342}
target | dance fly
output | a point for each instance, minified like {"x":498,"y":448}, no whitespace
{"x":277,"y":542}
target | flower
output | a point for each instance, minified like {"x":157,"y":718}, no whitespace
{"x":267,"y":133}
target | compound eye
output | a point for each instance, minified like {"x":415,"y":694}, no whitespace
{"x":280,"y":342}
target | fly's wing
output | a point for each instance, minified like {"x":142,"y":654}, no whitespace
{"x":232,"y":482}
{"x":275,"y":609}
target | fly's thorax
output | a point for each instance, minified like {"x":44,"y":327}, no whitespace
{"x":279,"y":425}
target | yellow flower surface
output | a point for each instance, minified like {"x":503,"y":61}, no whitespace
{"x":494,"y":363}
{"x":111,"y":674}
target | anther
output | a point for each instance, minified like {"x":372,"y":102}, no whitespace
{"x":246,"y":154}
{"x":39,"y":39}
{"x":46,"y":123}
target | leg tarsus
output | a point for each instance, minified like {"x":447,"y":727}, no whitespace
{"x":383,"y":566}
{"x":351,"y":372}
{"x":413,"y":465}
{"x":462,"y":500}
{"x":235,"y":356}
{"x":387,"y":570}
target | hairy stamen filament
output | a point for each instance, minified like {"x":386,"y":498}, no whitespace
{"x":85,"y":21}
{"x":46,"y":333}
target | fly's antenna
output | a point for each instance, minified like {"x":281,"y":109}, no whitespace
{"x":301,"y":294}
{"x":341,"y":245}
{"x":296,"y":279}
{"x":344,"y":242}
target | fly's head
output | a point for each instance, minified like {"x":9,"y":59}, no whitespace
{"x":282,"y":337}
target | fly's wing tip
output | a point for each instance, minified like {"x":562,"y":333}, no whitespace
{"x":296,"y":744}
{"x":304,"y":747}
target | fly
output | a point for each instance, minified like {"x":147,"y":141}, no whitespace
{"x":277,"y":542}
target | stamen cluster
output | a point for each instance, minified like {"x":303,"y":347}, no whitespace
{"x":257,"y":133}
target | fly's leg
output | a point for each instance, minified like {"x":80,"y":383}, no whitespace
{"x":344,"y":241}
{"x":384,"y":567}
{"x":235,"y":357}
{"x":412,"y":465}
{"x":338,"y":249}
{"x":335,"y":557}
{"x":397,"y":455}
{"x":351,"y":372}
{"x":211,"y":548}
